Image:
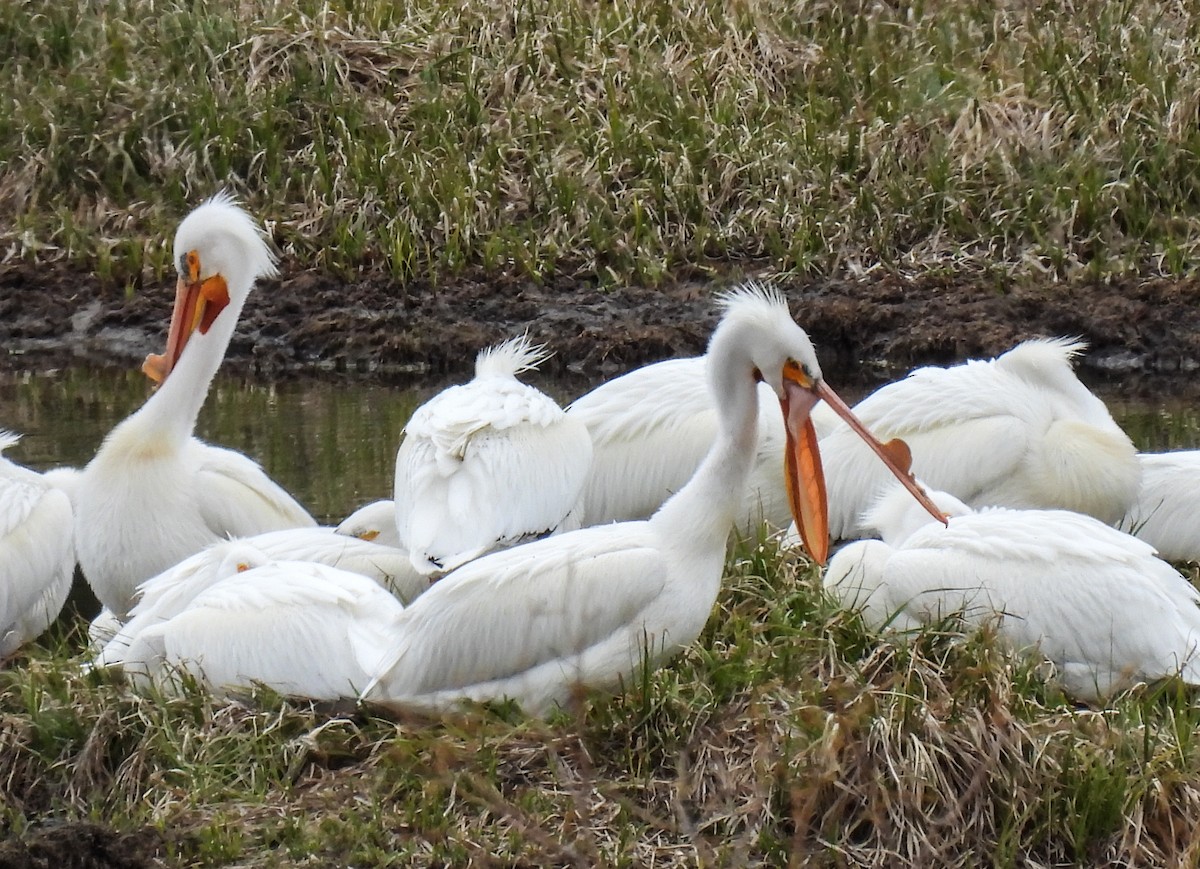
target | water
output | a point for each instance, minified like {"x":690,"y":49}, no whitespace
{"x":333,"y":444}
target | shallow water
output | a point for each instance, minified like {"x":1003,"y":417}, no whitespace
{"x":333,"y":444}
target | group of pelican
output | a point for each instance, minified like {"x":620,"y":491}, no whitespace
{"x":531,"y":551}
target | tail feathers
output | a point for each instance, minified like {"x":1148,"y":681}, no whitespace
{"x":510,"y":358}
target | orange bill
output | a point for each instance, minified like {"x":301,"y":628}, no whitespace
{"x":197,"y":304}
{"x":895,"y":453}
{"x":803,"y":472}
{"x":804,"y":475}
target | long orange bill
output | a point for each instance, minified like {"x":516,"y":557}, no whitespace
{"x":197,"y":304}
{"x":895,"y":453}
{"x":804,"y":474}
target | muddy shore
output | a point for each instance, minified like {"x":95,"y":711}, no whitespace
{"x":1141,"y":333}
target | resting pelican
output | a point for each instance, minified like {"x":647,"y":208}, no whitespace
{"x":488,"y":464}
{"x":154,"y":494}
{"x":171,"y":592}
{"x":650,"y":430}
{"x":1020,"y":430}
{"x":375,"y":522}
{"x":37,"y":552}
{"x":1095,"y":601}
{"x":584,"y":609}
{"x":299,"y":628}
{"x":1166,"y":513}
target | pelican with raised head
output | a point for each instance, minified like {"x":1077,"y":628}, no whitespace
{"x":154,"y":494}
{"x":585,"y":609}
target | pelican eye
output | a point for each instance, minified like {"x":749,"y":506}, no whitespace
{"x":189,"y":266}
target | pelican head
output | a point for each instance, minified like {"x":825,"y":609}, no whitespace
{"x":239,"y":557}
{"x":784,"y":359}
{"x":219,"y":252}
{"x":895,"y":517}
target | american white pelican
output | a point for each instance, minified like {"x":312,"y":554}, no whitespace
{"x":375,"y":522}
{"x":171,"y":592}
{"x":650,"y":430}
{"x":1166,"y":513}
{"x":1093,"y":600}
{"x":37,"y":553}
{"x":298,"y":628}
{"x":153,"y":494}
{"x":1019,"y":430}
{"x":488,"y":464}
{"x":584,"y":609}
{"x":168,"y":593}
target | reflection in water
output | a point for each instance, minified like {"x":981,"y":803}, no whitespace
{"x":331,"y":444}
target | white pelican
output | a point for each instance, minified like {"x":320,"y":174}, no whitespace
{"x":37,"y":552}
{"x":299,"y":628}
{"x":1166,"y":513}
{"x":488,"y":464}
{"x":171,"y":592}
{"x":1093,"y":600}
{"x":375,"y":522}
{"x":153,"y":494}
{"x":584,"y":609}
{"x":1020,"y":430}
{"x":650,"y":430}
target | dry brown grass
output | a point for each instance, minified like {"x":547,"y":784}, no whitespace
{"x":625,"y":141}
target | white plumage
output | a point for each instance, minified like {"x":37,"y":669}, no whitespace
{"x":1019,"y":431}
{"x":298,"y":628}
{"x":487,"y":464}
{"x":37,"y":552}
{"x":584,"y":609}
{"x":153,"y":494}
{"x":374,"y":522}
{"x":1094,"y":601}
{"x":171,"y":592}
{"x":652,"y":427}
{"x":1166,"y":513}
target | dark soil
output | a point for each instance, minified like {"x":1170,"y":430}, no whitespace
{"x":80,"y":845}
{"x":368,"y":326}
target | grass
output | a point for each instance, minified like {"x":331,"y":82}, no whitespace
{"x":624,"y":141}
{"x":786,"y":735}
{"x":627,"y":141}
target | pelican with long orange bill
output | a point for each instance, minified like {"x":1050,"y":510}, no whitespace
{"x":154,"y":494}
{"x":600,"y":606}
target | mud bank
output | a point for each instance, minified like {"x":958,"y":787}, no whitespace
{"x":1140,"y":332}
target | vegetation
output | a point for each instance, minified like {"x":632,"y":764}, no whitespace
{"x":627,"y":140}
{"x":786,"y":735}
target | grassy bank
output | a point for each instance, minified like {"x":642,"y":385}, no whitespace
{"x":625,"y":142}
{"x":787,"y":735}
{"x":628,"y":140}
